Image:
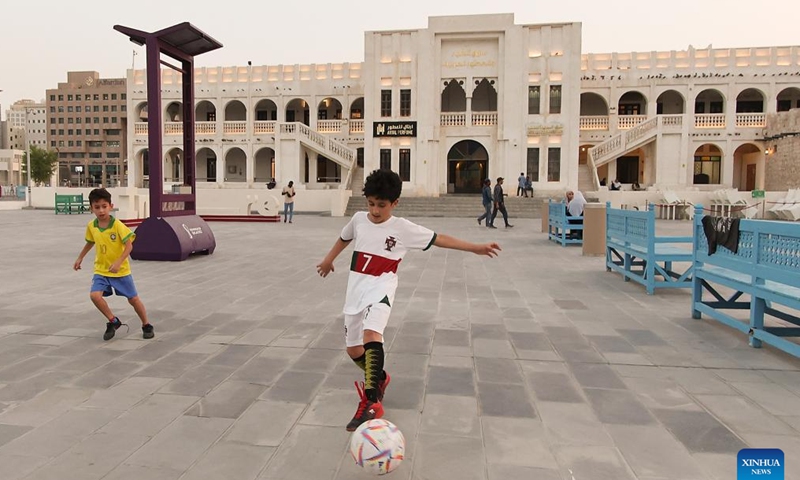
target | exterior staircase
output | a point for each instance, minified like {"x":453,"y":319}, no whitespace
{"x":585,"y":183}
{"x":321,"y":144}
{"x":628,"y":140}
{"x":453,"y":206}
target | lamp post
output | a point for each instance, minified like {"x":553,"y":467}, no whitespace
{"x":29,"y":192}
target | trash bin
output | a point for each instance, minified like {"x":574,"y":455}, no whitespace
{"x":21,"y":191}
{"x":594,"y":229}
{"x":545,"y":215}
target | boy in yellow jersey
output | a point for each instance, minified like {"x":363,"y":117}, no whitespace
{"x":112,"y":270}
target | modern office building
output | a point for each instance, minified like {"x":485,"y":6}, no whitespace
{"x":26,"y":122}
{"x":479,"y":96}
{"x":87,"y":126}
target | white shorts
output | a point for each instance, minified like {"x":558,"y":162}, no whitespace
{"x":374,"y":317}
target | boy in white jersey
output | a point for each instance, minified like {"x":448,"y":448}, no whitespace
{"x":112,"y":270}
{"x":381,"y":241}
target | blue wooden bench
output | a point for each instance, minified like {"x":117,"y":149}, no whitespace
{"x":766,"y":268}
{"x":634,"y":250}
{"x":70,"y":204}
{"x":559,"y":227}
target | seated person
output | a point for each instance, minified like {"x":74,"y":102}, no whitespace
{"x":636,"y":187}
{"x":272,"y":183}
{"x":575,"y":209}
{"x":615,"y":185}
{"x":603,"y":182}
{"x":568,"y":198}
{"x":528,"y":186}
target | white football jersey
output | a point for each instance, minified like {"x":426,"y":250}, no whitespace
{"x":377,"y":251}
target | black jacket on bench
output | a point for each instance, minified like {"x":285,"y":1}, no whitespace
{"x":721,"y":231}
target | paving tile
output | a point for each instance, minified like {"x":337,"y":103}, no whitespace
{"x":596,"y":463}
{"x":151,"y":416}
{"x":49,"y":405}
{"x":198,"y":381}
{"x":294,"y":387}
{"x":180,"y":444}
{"x":771,"y":397}
{"x":10,"y":432}
{"x":699,"y":432}
{"x":326,"y":445}
{"x":596,"y":376}
{"x":652,"y":452}
{"x":520,"y":442}
{"x":554,"y":387}
{"x":225,"y":461}
{"x":572,"y":424}
{"x":504,"y":400}
{"x":742,"y":416}
{"x":441,"y":456}
{"x":451,"y":415}
{"x":16,"y":467}
{"x":259,"y":336}
{"x":498,"y":370}
{"x":229,"y":400}
{"x":405,"y":393}
{"x":265,"y":423}
{"x":234,"y":356}
{"x":451,"y":381}
{"x":126,"y":393}
{"x":618,"y":407}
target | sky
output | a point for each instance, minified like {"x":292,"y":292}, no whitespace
{"x":41,"y":40}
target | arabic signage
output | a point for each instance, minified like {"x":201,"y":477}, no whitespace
{"x":394,"y":129}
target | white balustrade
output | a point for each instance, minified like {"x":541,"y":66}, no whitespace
{"x":671,"y":121}
{"x":453,"y":119}
{"x":751,"y":120}
{"x":205,"y":128}
{"x":484,"y":119}
{"x":356,"y":126}
{"x":173,"y":128}
{"x":709,"y":120}
{"x":140,"y":128}
{"x":594,"y":122}
{"x":625,"y":122}
{"x":264,"y":126}
{"x":330,"y":126}
{"x":640,"y":130}
{"x":234,"y":127}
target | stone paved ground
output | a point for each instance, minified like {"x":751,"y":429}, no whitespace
{"x":534,"y":365}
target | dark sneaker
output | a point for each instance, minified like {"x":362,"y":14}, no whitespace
{"x":366,"y":410}
{"x":111,"y":328}
{"x":479,"y":221}
{"x":147,"y":331}
{"x":509,"y":226}
{"x":383,"y":385}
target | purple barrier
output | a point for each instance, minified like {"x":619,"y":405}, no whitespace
{"x":173,"y":238}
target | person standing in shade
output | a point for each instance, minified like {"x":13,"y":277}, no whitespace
{"x":500,"y":202}
{"x":521,"y":185}
{"x":288,"y":202}
{"x":487,"y":203}
{"x":528,"y":186}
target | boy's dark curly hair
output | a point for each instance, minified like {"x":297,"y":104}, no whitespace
{"x":383,"y":184}
{"x":99,"y":194}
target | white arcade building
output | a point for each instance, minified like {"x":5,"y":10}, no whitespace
{"x":472,"y":97}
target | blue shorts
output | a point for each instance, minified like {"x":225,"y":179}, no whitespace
{"x":122,"y":286}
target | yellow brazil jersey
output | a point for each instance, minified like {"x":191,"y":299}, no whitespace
{"x":109,"y":243}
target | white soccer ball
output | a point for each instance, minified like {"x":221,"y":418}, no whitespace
{"x":377,"y":446}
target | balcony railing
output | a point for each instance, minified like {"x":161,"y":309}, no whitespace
{"x":709,"y":120}
{"x":173,"y":128}
{"x":751,"y":120}
{"x":264,"y":126}
{"x":625,"y":122}
{"x":205,"y":128}
{"x":330,"y":126}
{"x":594,"y":122}
{"x":140,"y":128}
{"x":356,"y":126}
{"x":484,"y":119}
{"x":672,"y":121}
{"x":234,"y":128}
{"x":453,"y":119}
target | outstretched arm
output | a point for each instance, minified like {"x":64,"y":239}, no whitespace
{"x":86,"y":248}
{"x":446,"y":241}
{"x":326,"y":265}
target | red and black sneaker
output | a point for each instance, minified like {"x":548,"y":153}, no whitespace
{"x":383,"y":385}
{"x":366,"y":410}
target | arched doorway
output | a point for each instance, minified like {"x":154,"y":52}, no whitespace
{"x":592,"y":105}
{"x":173,"y":112}
{"x":142,"y":179}
{"x":707,"y":165}
{"x":235,"y":165}
{"x":357,"y":109}
{"x":141,"y":112}
{"x":266,"y":111}
{"x":670,"y":102}
{"x":297,"y":111}
{"x":748,"y":167}
{"x":205,"y":111}
{"x":467,"y":166}
{"x":206,"y":165}
{"x":788,"y":99}
{"x":264,"y":165}
{"x":235,"y":111}
{"x":173,"y":165}
{"x":329,"y":109}
{"x":632,"y":103}
{"x":709,"y":101}
{"x":750,"y":100}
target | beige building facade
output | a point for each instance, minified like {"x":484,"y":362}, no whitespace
{"x":87,"y":126}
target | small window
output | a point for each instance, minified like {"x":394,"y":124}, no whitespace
{"x":61,"y":98}
{"x":405,"y":103}
{"x":555,"y":98}
{"x":69,"y":98}
{"x":553,"y":164}
{"x":52,"y":98}
{"x":386,"y":103}
{"x":113,"y":108}
{"x":113,"y":96}
{"x":105,"y":96}
{"x":405,"y":164}
{"x":386,"y":159}
{"x":105,"y":108}
{"x":123,"y":96}
{"x":533,"y":164}
{"x":78,"y":143}
{"x":534,"y":99}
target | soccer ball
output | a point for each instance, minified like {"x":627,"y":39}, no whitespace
{"x":377,"y":446}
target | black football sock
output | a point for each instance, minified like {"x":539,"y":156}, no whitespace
{"x":373,"y":373}
{"x":361,"y":362}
